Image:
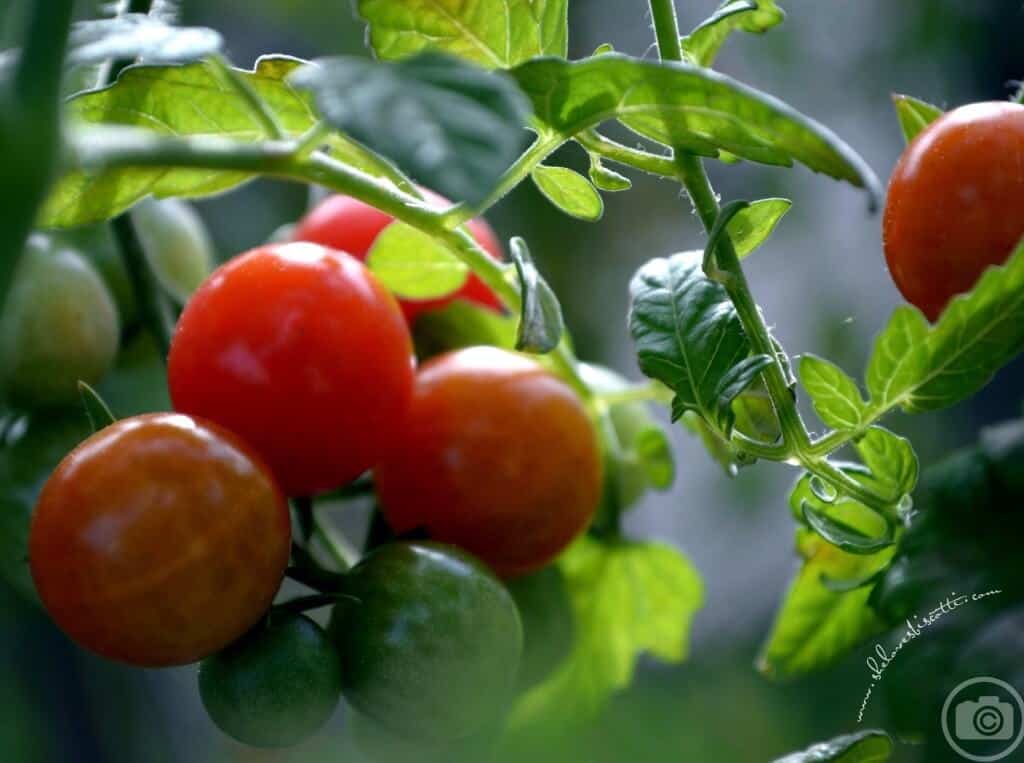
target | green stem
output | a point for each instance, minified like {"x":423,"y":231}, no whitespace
{"x":695,"y":179}
{"x":594,"y":142}
{"x":545,"y":145}
{"x":341,"y":551}
{"x":692,"y":175}
{"x":254,"y":104}
{"x":153,"y":303}
{"x":316,"y":578}
{"x":305,"y":603}
{"x":653,"y":392}
{"x":120,"y":147}
{"x":666,"y":29}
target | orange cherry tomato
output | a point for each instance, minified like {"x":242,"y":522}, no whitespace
{"x":498,"y":457}
{"x":301,"y":352}
{"x":351,"y":226}
{"x":159,"y":540}
{"x":955,"y":203}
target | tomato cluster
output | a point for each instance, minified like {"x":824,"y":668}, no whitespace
{"x":163,"y":538}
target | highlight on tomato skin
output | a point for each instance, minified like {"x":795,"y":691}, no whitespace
{"x":300,"y":351}
{"x":497,"y":456}
{"x":159,"y":540}
{"x":352,"y":226}
{"x":954,"y":203}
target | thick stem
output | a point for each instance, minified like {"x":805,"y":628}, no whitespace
{"x":796,"y":440}
{"x":695,"y":179}
{"x":666,"y":29}
{"x":153,"y":303}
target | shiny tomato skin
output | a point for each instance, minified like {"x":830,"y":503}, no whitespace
{"x":954,"y":203}
{"x":301,"y":352}
{"x":159,"y":540}
{"x":498,"y":457}
{"x":352,"y":226}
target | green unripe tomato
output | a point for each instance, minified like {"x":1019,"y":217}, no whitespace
{"x":176,"y":243}
{"x":548,"y":623}
{"x":276,"y":685}
{"x":96,"y":243}
{"x":58,"y":326}
{"x":431,"y":642}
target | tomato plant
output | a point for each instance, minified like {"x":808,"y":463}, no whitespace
{"x":482,"y":460}
{"x":317,"y":379}
{"x":158,"y":540}
{"x":163,"y":539}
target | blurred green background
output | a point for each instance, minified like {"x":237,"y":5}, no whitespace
{"x":821,"y":281}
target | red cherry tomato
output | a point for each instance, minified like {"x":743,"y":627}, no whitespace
{"x":349,"y":225}
{"x":301,"y":352}
{"x":498,"y":457}
{"x":955,"y":203}
{"x":159,"y":540}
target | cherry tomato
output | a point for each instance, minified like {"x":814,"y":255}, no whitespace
{"x":430,"y":641}
{"x":497,"y":456}
{"x":301,"y":352}
{"x":159,"y":540}
{"x":176,"y":244}
{"x":58,"y":326}
{"x":349,"y":225}
{"x":954,"y":204}
{"x":276,"y":685}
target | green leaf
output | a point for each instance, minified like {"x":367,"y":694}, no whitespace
{"x":925,"y":369}
{"x":96,"y":409}
{"x":462,"y":324}
{"x":871,"y":746}
{"x":569,"y":191}
{"x":413,"y":265}
{"x":755,"y":413}
{"x":891,"y":459}
{"x":816,"y":626}
{"x":540,"y":321}
{"x":139,"y":35}
{"x":755,"y":16}
{"x":914,"y":115}
{"x":678,"y":104}
{"x":751,"y":226}
{"x":452,"y":125}
{"x":834,"y":394}
{"x":602,"y":49}
{"x":606,"y":179}
{"x":190,"y":100}
{"x":628,"y":599}
{"x":497,"y":34}
{"x":689,"y":337}
{"x":899,"y":355}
